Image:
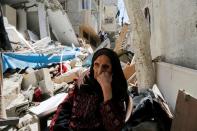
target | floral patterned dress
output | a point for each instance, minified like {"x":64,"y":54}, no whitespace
{"x":85,"y":111}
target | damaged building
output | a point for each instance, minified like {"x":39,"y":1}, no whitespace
{"x":46,"y":45}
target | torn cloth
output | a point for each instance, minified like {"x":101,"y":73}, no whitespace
{"x":33,"y":60}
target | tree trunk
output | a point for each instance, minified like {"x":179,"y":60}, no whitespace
{"x":141,"y":39}
{"x":2,"y":108}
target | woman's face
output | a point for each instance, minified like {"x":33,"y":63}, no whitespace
{"x":102,"y":64}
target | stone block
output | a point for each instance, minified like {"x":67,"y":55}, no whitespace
{"x":44,"y":79}
{"x":29,"y":79}
{"x":37,"y":78}
{"x":45,"y":86}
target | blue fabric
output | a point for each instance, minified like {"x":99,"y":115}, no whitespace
{"x":33,"y":60}
{"x":88,"y":61}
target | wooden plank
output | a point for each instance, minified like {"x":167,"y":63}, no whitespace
{"x":185,"y":113}
{"x":89,"y":35}
{"x":120,"y":39}
{"x":48,"y":106}
{"x":129,"y":70}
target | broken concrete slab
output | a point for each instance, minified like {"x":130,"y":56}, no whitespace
{"x":61,"y":25}
{"x":48,"y":106}
{"x":40,"y":78}
{"x":17,"y":106}
{"x":29,"y":79}
{"x":16,"y":37}
{"x":42,"y":44}
{"x":69,"y":76}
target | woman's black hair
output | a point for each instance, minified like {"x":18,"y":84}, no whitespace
{"x":119,"y":83}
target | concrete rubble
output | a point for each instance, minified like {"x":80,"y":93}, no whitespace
{"x":29,"y":88}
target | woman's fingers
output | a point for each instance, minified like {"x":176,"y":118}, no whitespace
{"x":105,"y":78}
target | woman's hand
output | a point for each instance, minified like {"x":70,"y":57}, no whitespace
{"x":105,"y":79}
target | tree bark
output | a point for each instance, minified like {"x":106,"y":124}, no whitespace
{"x":141,"y":39}
{"x":2,"y":108}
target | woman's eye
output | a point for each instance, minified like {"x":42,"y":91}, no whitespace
{"x":96,"y":64}
{"x":105,"y":66}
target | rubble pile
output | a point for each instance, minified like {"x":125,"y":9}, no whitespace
{"x":39,"y":70}
{"x":26,"y":88}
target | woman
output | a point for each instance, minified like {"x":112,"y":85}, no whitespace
{"x":97,"y":102}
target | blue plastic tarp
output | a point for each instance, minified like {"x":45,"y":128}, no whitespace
{"x":33,"y":60}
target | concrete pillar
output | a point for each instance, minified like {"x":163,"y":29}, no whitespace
{"x":141,"y":35}
{"x":22,"y":20}
{"x":43,"y":21}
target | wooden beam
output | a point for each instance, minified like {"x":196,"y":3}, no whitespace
{"x":129,"y":70}
{"x":120,"y":39}
{"x":185,"y":113}
{"x":89,"y":35}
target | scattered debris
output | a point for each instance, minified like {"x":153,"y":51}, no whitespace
{"x":48,"y":106}
{"x":46,"y":64}
{"x":148,"y":113}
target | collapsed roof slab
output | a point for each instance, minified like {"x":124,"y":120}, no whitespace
{"x":61,"y":27}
